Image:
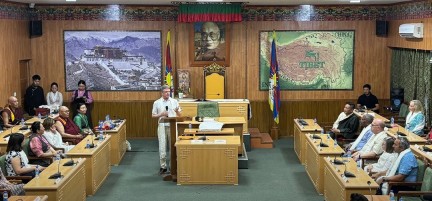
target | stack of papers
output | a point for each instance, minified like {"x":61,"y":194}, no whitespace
{"x":210,"y":126}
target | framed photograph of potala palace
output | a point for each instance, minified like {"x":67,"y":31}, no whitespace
{"x":309,"y":60}
{"x":113,"y":60}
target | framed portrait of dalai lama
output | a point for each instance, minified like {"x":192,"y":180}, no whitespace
{"x":209,"y":42}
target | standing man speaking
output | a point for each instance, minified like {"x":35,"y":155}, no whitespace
{"x":164,"y":107}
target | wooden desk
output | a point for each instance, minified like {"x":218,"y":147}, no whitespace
{"x":28,"y":198}
{"x":229,"y":122}
{"x":412,"y":138}
{"x":227,"y":108}
{"x":299,"y":137}
{"x":378,"y":197}
{"x":208,"y":162}
{"x":337,"y":189}
{"x":314,"y":158}
{"x":70,"y":188}
{"x":35,"y":118}
{"x":422,"y":154}
{"x":195,"y":131}
{"x":118,"y":142}
{"x":375,"y":115}
{"x":4,"y":142}
{"x":97,"y":165}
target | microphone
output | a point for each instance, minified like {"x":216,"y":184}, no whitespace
{"x":400,"y":133}
{"x":426,"y":149}
{"x":347,"y":173}
{"x":58,"y":173}
{"x":370,"y":190}
{"x":337,"y":161}
{"x":202,"y":137}
{"x":69,"y":163}
{"x":322,"y":144}
{"x":315,"y":136}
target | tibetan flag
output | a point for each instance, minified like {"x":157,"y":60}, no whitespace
{"x":274,"y":89}
{"x":169,"y":80}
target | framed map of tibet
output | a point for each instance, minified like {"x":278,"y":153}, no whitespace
{"x":309,"y":60}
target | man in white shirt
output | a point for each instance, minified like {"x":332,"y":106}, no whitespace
{"x":365,"y":122}
{"x":374,"y":146}
{"x":164,"y":107}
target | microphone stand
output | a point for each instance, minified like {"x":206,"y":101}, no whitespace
{"x":58,"y":173}
{"x":370,"y":190}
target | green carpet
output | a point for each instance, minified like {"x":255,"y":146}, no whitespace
{"x":273,"y":174}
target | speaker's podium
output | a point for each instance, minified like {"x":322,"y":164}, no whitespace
{"x":172,"y":139}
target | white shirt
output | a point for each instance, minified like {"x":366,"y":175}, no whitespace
{"x":341,"y":117}
{"x":55,"y":139}
{"x":160,"y":105}
{"x":374,"y":144}
{"x":385,"y":161}
{"x":54,"y":99}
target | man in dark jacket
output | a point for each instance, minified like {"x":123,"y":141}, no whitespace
{"x":34,"y":96}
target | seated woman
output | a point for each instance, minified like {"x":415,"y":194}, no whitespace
{"x":54,"y":137}
{"x":81,"y":119}
{"x":39,"y":146}
{"x":15,"y":189}
{"x":385,"y":161}
{"x":17,"y":163}
{"x":415,"y":120}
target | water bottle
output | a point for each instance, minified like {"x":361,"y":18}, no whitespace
{"x":392,"y":196}
{"x":100,"y":124}
{"x":39,"y":116}
{"x":37,"y":171}
{"x":401,"y":199}
{"x":22,"y":122}
{"x":190,"y":126}
{"x":315,"y":121}
{"x":392,"y":121}
{"x":88,"y":144}
{"x":101,"y":137}
{"x":5,"y":196}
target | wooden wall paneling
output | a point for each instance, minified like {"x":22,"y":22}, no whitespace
{"x":371,"y":58}
{"x":394,"y":40}
{"x":48,"y":53}
{"x":14,"y":46}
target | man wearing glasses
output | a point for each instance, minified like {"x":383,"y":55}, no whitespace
{"x":211,"y":45}
{"x":373,"y":147}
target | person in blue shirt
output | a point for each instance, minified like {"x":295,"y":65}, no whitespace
{"x":365,"y":122}
{"x":406,"y":165}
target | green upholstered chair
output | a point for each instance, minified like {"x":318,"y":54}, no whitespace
{"x":426,"y":189}
{"x":15,"y":179}
{"x":208,"y":109}
{"x":420,"y":175}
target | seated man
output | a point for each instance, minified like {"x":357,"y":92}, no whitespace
{"x":39,"y":146}
{"x":405,"y":167}
{"x":365,"y":135}
{"x":374,"y":146}
{"x":368,"y":99}
{"x":67,"y":128}
{"x":11,"y":114}
{"x":346,"y":124}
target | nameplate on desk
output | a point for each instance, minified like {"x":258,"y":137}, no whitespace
{"x":220,"y":141}
{"x":197,"y":142}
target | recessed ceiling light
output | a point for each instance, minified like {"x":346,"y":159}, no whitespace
{"x":354,"y":1}
{"x":70,"y":0}
{"x":209,"y":0}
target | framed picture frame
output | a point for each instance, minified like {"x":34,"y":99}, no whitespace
{"x":209,"y":42}
{"x":318,"y":60}
{"x":113,"y":60}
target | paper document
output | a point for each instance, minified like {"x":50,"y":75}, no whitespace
{"x":210,"y":126}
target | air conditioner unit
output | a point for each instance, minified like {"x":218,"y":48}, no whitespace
{"x":414,"y":30}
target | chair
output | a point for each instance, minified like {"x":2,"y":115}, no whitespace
{"x":400,"y":118}
{"x":15,"y":179}
{"x":208,"y":109}
{"x":425,"y":188}
{"x":214,"y":81}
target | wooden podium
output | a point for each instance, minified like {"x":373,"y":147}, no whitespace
{"x":172,"y":140}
